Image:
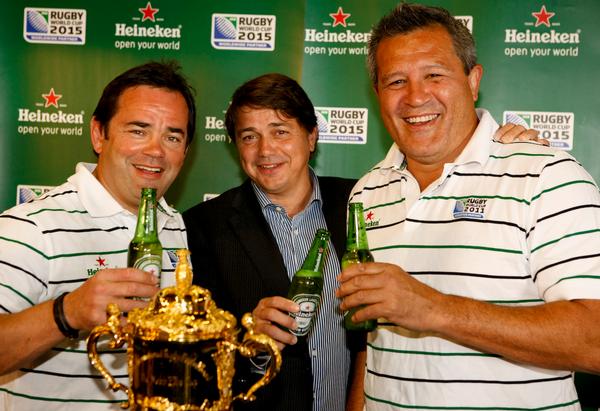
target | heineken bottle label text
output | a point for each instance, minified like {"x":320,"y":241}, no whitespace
{"x":308,"y":307}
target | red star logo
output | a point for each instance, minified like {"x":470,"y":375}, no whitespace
{"x":51,"y":98}
{"x":101,"y":262}
{"x":148,"y":12}
{"x":543,"y":17}
{"x":370,"y":215}
{"x":339,"y":17}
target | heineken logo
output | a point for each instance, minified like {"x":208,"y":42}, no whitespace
{"x":100,"y":264}
{"x":308,"y":304}
{"x":370,"y":220}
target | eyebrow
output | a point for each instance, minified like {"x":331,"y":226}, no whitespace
{"x":176,"y":130}
{"x":426,"y":67}
{"x":146,"y":125}
{"x":272,"y":124}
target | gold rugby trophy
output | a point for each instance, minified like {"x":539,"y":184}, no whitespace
{"x":181,"y":349}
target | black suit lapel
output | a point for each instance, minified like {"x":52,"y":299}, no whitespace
{"x":253,"y":232}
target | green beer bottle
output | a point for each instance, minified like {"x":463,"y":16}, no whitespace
{"x":307,"y":284}
{"x":145,"y":249}
{"x":357,"y":251}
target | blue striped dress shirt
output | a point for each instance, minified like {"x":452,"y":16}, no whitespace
{"x":330,"y":359}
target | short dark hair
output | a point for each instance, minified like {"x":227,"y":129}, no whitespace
{"x":166,"y":75}
{"x":406,"y":17}
{"x":272,"y":91}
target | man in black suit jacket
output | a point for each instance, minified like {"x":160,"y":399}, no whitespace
{"x":235,"y":251}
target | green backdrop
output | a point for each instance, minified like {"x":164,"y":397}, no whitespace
{"x":539,"y":61}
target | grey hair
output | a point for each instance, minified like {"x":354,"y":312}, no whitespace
{"x":407,"y":17}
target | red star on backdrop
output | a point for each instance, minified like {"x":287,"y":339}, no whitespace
{"x":148,"y":12}
{"x":543,"y":17}
{"x":339,"y":17}
{"x":370,"y":215}
{"x":101,"y":261}
{"x":51,"y":98}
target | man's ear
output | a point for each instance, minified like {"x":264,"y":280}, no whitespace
{"x":312,"y":139}
{"x":474,"y":80}
{"x":97,"y":135}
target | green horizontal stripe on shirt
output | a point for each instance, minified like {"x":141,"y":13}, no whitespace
{"x":522,"y":155}
{"x":385,"y":204}
{"x":520,"y":200}
{"x":434,"y":353}
{"x":568,"y":183}
{"x":23,"y":296}
{"x":42,"y":210}
{"x":441,"y":407}
{"x":52,"y":257}
{"x":573,"y":277}
{"x":33,"y":397}
{"x":461,"y":246}
{"x":595,"y":230}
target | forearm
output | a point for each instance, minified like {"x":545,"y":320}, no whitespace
{"x":558,"y":335}
{"x":27,"y":335}
{"x":356,"y":399}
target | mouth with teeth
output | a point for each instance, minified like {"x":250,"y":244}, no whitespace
{"x":148,"y":169}
{"x":267,"y":168}
{"x":420,"y":120}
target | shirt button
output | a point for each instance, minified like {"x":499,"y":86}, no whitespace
{"x":296,"y":231}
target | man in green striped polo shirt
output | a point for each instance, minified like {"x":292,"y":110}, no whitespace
{"x":62,"y":257}
{"x":487,"y":284}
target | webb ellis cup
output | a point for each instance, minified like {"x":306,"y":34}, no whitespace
{"x":181,"y":349}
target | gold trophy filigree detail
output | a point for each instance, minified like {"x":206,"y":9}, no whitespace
{"x":181,"y":349}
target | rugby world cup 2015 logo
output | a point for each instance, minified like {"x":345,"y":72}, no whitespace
{"x":251,"y":32}
{"x":342,"y":125}
{"x":557,"y":127}
{"x":54,"y":26}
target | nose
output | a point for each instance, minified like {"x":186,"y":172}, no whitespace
{"x":417,"y":93}
{"x":265,"y":145}
{"x":154,"y":146}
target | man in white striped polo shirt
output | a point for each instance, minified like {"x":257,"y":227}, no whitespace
{"x":62,"y":256}
{"x":487,"y":284}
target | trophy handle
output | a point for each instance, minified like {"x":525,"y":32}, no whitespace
{"x":113,"y":328}
{"x":252,"y":344}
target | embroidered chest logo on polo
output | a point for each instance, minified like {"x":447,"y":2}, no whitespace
{"x":370,"y":219}
{"x":100,"y":263}
{"x":470,"y":208}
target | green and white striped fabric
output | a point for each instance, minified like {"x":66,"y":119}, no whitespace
{"x":512,"y":224}
{"x":53,"y":245}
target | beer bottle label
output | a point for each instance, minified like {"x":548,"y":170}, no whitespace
{"x":150,"y":263}
{"x":308,"y":307}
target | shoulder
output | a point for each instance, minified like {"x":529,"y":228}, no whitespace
{"x":535,"y":158}
{"x":64,"y":197}
{"x":218,"y":206}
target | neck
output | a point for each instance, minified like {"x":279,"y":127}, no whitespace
{"x":425,"y":174}
{"x":294,"y":201}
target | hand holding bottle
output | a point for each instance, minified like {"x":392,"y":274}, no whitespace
{"x":272,"y":318}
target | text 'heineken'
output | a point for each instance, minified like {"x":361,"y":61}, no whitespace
{"x":145,"y":250}
{"x":307,"y":284}
{"x":357,"y":251}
